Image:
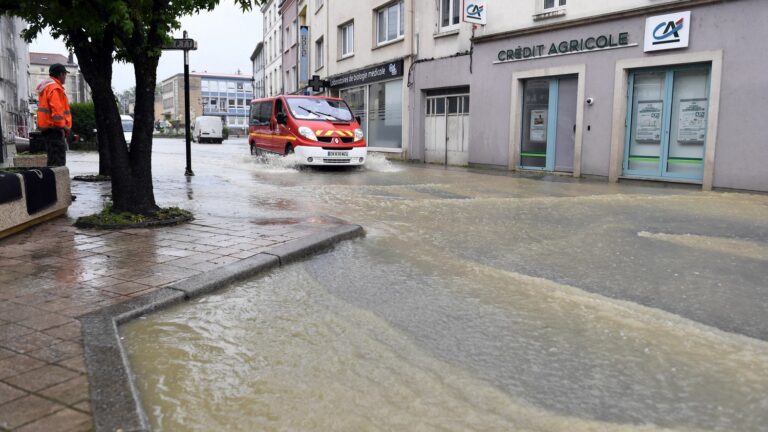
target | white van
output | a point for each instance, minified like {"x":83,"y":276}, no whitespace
{"x":208,"y":129}
{"x":127,"y":122}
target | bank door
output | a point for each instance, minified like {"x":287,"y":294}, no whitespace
{"x":549,"y":124}
{"x":446,"y":130}
{"x":667,"y":123}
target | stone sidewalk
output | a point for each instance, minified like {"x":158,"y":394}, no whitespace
{"x":51,"y":274}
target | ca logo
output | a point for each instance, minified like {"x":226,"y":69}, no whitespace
{"x":670,"y":33}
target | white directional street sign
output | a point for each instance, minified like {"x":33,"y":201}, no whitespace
{"x":181,"y":44}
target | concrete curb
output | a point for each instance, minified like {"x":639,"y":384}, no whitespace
{"x":115,"y":400}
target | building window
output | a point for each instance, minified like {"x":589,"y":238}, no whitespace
{"x":287,"y":38}
{"x":553,"y":4}
{"x":347,"y":39}
{"x":391,"y":22}
{"x":240,"y":86}
{"x":287,"y":84}
{"x":294,"y":32}
{"x":450,"y":11}
{"x":204,"y":85}
{"x":319,"y":54}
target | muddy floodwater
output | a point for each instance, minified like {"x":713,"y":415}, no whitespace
{"x":478,"y":301}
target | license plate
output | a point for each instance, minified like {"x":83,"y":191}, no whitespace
{"x":337,"y":153}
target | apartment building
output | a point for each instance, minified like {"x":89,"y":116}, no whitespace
{"x":259,"y":77}
{"x":368,"y":47}
{"x":273,"y":52}
{"x":76,"y":88}
{"x":172,"y":91}
{"x":656,"y":90}
{"x":211,"y":94}
{"x":15,"y":117}
{"x":289,"y":14}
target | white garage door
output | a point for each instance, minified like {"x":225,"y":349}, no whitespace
{"x":446,"y":130}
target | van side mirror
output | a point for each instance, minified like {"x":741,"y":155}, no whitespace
{"x":281,"y":118}
{"x":359,"y":120}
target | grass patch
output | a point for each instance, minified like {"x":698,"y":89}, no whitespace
{"x":108,"y":218}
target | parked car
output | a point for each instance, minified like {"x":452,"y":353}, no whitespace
{"x":320,"y":130}
{"x":208,"y":129}
{"x":127,"y":122}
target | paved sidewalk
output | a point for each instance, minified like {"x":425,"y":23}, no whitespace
{"x":53,"y":273}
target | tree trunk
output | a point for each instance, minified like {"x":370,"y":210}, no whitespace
{"x":96,"y":65}
{"x":142,"y":197}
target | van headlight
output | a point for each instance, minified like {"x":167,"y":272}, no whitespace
{"x":307,"y":133}
{"x":358,"y":134}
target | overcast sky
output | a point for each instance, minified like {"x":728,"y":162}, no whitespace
{"x":226,"y":38}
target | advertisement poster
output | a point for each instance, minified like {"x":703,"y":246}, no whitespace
{"x":538,"y":126}
{"x":692,"y":123}
{"x":649,"y":121}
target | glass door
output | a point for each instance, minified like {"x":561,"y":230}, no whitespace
{"x":667,"y":123}
{"x":646,"y":135}
{"x":688,"y":126}
{"x":539,"y":110}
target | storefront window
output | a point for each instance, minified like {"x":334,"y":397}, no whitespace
{"x":385,"y":122}
{"x":355,"y":98}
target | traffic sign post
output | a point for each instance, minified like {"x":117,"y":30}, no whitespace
{"x":185,"y":44}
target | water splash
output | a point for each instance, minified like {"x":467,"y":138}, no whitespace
{"x":379,"y":163}
{"x":276,"y":164}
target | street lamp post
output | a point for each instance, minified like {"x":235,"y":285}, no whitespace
{"x":186,"y":45}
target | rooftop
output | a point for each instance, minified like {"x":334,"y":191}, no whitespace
{"x":48,"y":59}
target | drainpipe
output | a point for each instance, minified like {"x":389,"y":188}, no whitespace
{"x":411,"y":59}
{"x":327,"y":43}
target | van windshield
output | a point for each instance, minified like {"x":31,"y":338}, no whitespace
{"x":127,"y":126}
{"x":319,"y":109}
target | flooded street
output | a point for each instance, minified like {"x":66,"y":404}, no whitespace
{"x":478,"y":300}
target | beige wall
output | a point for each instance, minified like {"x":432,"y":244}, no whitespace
{"x":172,"y":99}
{"x":366,"y":50}
{"x":530,"y":13}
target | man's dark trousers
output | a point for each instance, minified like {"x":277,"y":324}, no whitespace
{"x":56,"y":144}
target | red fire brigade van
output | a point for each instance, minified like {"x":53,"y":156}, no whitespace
{"x":320,"y":130}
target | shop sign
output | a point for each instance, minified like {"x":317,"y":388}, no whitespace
{"x":371,"y":74}
{"x":475,"y":12}
{"x":566,"y":47}
{"x":303,"y":56}
{"x":669,"y":31}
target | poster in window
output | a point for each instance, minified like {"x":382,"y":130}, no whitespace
{"x":538,"y":125}
{"x":692,"y":123}
{"x":649,"y":121}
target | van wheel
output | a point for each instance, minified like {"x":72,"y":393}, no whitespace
{"x":288,"y":149}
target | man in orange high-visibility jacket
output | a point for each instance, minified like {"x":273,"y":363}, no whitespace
{"x":54,"y":118}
